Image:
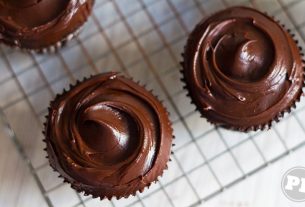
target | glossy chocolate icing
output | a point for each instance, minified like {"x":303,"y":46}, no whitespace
{"x":242,"y":69}
{"x":108,"y":136}
{"x":35,"y":24}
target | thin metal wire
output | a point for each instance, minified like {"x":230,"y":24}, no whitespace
{"x":166,"y":45}
{"x":13,"y":136}
{"x":116,"y":55}
{"x":21,"y":151}
{"x":153,"y":70}
{"x":95,"y":59}
{"x":230,"y":152}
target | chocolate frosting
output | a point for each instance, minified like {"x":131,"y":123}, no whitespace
{"x":108,"y":136}
{"x":35,"y":24}
{"x":242,"y":68}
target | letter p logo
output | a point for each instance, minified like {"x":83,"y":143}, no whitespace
{"x":292,"y":182}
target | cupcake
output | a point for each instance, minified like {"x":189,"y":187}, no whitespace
{"x":108,"y":136}
{"x":43,"y":25}
{"x":242,"y":69}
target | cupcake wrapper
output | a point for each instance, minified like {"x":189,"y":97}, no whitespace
{"x":52,"y":48}
{"x":55,"y":47}
{"x":77,"y":185}
{"x":275,"y":119}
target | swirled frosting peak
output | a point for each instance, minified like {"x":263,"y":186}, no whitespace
{"x":108,"y":136}
{"x":242,"y":68}
{"x":239,"y":55}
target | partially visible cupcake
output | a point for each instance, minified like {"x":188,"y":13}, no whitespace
{"x":242,"y":69}
{"x":41,"y":25}
{"x":108,"y":136}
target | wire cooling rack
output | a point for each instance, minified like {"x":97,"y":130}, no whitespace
{"x":144,"y":39}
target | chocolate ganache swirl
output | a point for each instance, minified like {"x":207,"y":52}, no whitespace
{"x":108,"y":136}
{"x":34,"y":24}
{"x":242,"y":69}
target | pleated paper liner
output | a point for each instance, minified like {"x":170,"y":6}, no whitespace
{"x":262,"y":126}
{"x":80,"y":187}
{"x":52,"y":48}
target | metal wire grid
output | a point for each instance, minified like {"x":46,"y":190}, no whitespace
{"x":144,"y":39}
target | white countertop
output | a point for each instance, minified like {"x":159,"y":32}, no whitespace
{"x":145,"y":41}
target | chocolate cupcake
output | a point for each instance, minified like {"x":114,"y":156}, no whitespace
{"x":108,"y":136}
{"x":242,"y":69}
{"x":41,"y":25}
